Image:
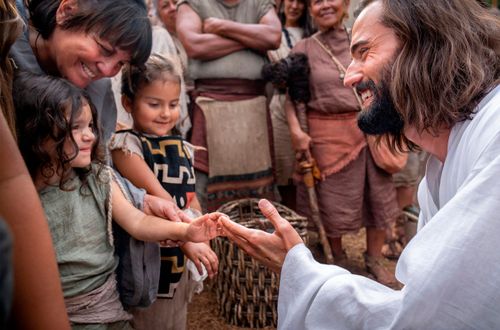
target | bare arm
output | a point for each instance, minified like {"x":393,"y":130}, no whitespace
{"x":135,"y":169}
{"x":38,"y":300}
{"x":301,"y":141}
{"x":199,"y":45}
{"x":264,"y":36}
{"x":150,"y":228}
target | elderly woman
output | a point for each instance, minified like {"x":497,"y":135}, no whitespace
{"x":353,"y":191}
{"x":296,"y":25}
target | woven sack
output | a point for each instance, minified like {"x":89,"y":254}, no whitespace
{"x":247,"y":292}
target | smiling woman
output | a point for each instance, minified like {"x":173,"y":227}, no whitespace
{"x":83,"y":42}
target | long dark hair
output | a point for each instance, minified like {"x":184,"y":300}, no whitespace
{"x":10,"y":27}
{"x":46,"y":108}
{"x":122,"y":23}
{"x":447,"y":62}
{"x":304,"y":22}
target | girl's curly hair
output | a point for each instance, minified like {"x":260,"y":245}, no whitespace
{"x":46,"y":109}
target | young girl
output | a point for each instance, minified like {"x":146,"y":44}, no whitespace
{"x":151,"y":157}
{"x":59,"y":141}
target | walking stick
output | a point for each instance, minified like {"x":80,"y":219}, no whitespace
{"x":307,"y":169}
{"x":293,"y":73}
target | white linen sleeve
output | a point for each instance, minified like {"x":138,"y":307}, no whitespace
{"x":318,"y":296}
{"x":450,"y":269}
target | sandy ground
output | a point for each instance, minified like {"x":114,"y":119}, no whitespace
{"x":203,"y":312}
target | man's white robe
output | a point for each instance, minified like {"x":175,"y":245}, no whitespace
{"x":451,"y":268}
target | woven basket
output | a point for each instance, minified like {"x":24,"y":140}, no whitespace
{"x":247,"y":292}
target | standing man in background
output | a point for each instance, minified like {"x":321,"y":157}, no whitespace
{"x":226,"y":41}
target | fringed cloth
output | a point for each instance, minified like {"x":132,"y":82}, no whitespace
{"x":100,"y":306}
{"x":353,"y":192}
{"x":336,"y":141}
{"x":231,"y":120}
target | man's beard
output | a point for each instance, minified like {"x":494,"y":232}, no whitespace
{"x":381,"y":116}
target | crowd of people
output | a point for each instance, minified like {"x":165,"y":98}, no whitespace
{"x":127,"y":113}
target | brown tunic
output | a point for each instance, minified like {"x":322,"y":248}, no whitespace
{"x":328,"y":93}
{"x":353,"y":192}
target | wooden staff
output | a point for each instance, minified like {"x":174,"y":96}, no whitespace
{"x":307,"y":169}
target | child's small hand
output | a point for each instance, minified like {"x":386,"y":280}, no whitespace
{"x":201,"y":253}
{"x":205,"y":227}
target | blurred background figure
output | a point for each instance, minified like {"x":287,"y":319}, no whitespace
{"x":152,"y":12}
{"x":225,"y":41}
{"x":295,"y":21}
{"x":406,"y":182}
{"x":167,"y":13}
{"x":353,"y":191}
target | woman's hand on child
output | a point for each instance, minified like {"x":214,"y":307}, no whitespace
{"x":205,"y":227}
{"x":201,"y":253}
{"x":161,"y":207}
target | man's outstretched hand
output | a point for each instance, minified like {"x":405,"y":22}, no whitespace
{"x":269,"y":249}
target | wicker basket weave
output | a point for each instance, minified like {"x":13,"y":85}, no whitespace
{"x":247,"y":292}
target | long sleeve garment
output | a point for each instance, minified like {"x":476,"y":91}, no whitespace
{"x":451,"y":268}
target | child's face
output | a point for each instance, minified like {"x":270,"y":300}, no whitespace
{"x":155,"y":108}
{"x":83,"y":132}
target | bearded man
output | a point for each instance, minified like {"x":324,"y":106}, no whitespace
{"x":428,"y":74}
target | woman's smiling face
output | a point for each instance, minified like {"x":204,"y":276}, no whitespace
{"x":83,"y":57}
{"x":328,"y":14}
{"x":293,"y":9}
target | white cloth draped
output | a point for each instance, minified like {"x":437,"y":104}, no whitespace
{"x":451,"y":268}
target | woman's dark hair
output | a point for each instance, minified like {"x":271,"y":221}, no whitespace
{"x":304,"y":22}
{"x":122,"y":23}
{"x":291,"y":75}
{"x":46,"y":108}
{"x":10,"y":28}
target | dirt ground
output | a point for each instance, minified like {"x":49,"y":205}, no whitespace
{"x":203,"y":312}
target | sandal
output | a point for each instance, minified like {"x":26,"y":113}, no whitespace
{"x":392,"y":250}
{"x":375,"y":266}
{"x":341,"y":260}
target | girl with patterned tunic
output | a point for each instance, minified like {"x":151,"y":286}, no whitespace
{"x":59,"y":140}
{"x":152,"y":157}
